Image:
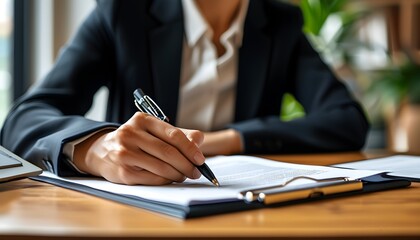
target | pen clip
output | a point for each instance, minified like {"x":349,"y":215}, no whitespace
{"x":145,"y":104}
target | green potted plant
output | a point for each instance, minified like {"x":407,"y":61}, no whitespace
{"x":398,"y":92}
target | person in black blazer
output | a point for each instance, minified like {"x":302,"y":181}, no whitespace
{"x":124,"y":45}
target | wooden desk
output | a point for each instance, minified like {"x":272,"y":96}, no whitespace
{"x":34,"y":210}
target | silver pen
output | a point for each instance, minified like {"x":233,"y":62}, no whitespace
{"x":145,"y":104}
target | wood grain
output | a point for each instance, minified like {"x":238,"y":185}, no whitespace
{"x":34,"y":210}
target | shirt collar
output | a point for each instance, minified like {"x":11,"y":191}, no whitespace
{"x":196,"y":26}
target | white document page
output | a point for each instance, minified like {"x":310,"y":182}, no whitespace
{"x":398,"y":165}
{"x":235,"y":174}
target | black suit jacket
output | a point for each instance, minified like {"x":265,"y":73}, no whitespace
{"x":128,"y":44}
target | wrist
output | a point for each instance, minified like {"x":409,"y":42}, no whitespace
{"x":84,"y":158}
{"x":223,"y":142}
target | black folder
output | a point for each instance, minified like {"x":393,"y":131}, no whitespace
{"x":369,"y":184}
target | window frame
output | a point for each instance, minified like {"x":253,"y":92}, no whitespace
{"x":21,"y":38}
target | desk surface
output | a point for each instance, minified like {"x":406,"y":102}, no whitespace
{"x":30,"y":210}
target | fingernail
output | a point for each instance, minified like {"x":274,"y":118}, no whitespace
{"x":196,"y":174}
{"x":199,"y":158}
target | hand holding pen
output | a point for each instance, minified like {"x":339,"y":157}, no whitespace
{"x":145,"y":104}
{"x":144,"y":150}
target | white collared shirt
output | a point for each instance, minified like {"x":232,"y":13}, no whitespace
{"x":208,"y":82}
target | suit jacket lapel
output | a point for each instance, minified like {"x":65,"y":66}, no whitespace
{"x":166,"y":54}
{"x":253,"y":62}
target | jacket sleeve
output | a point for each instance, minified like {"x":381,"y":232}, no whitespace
{"x":334,"y":121}
{"x":51,"y":113}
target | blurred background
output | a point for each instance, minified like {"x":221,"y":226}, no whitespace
{"x":372,"y":45}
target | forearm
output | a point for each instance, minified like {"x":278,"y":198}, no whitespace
{"x":38,"y":132}
{"x":340,"y":129}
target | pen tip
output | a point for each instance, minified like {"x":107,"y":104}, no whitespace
{"x":215,"y":182}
